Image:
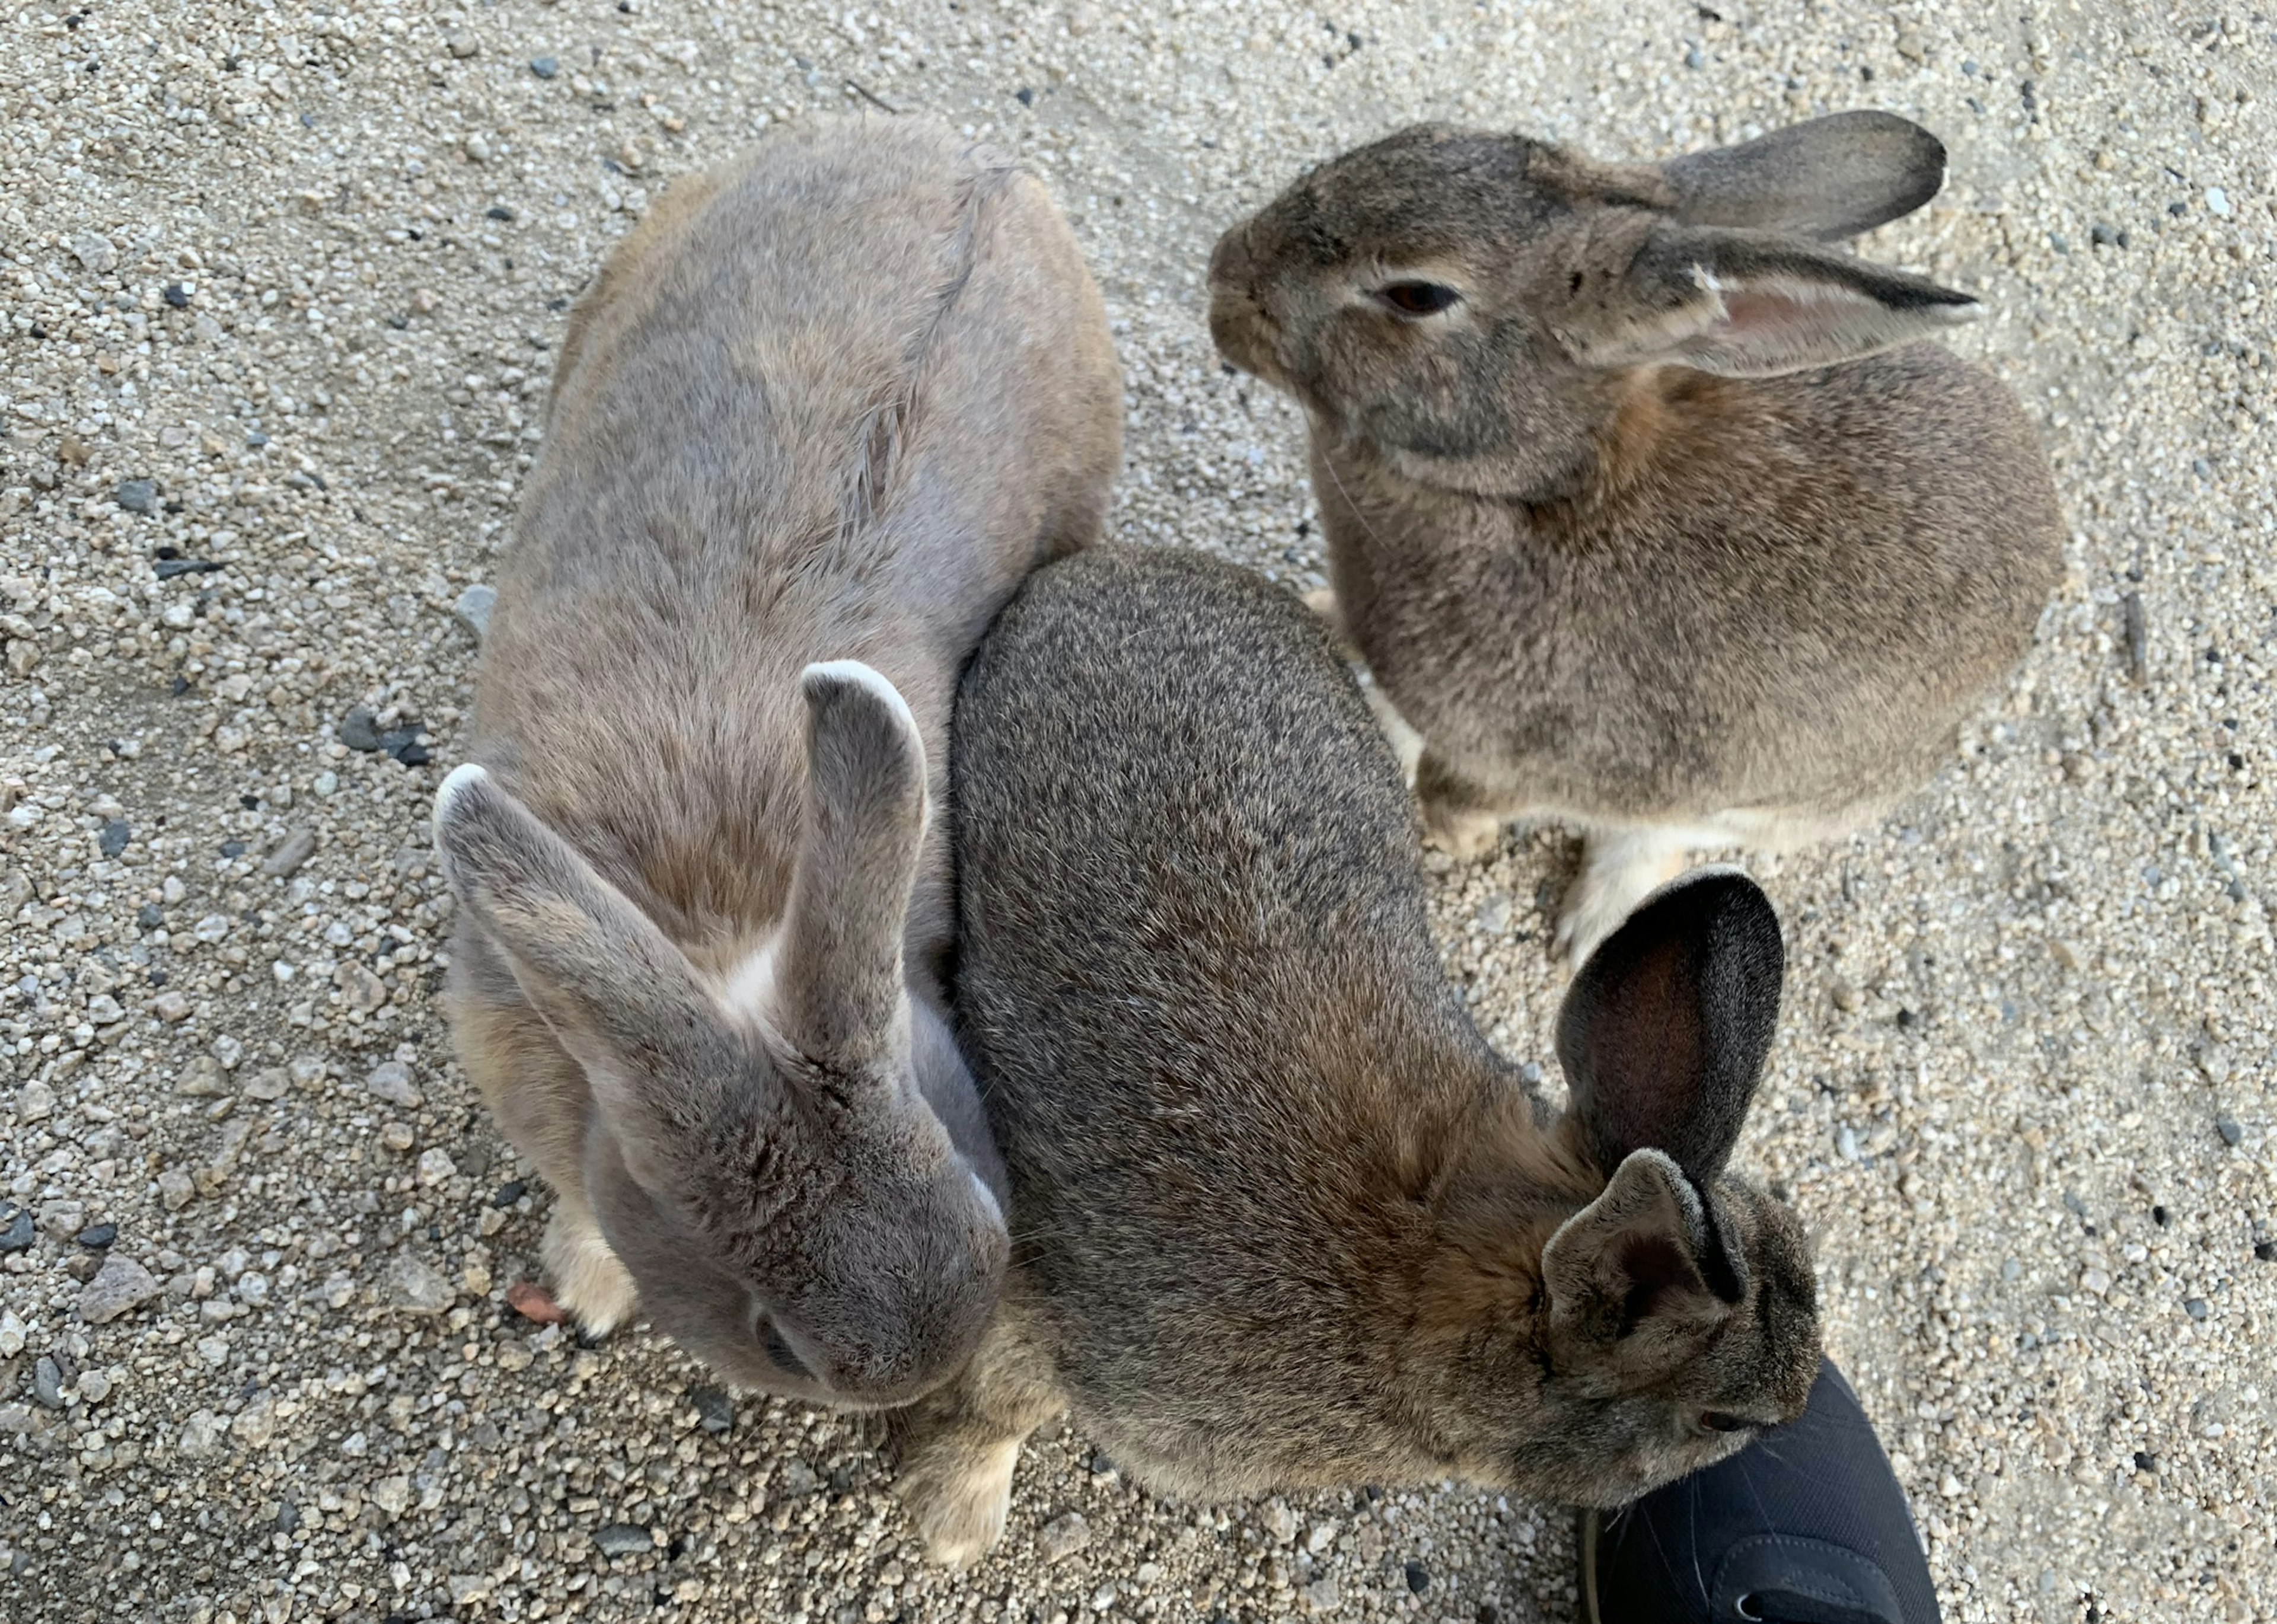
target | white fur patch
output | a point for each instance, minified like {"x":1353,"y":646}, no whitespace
{"x":988,"y":1198}
{"x":460,"y":777}
{"x":869,"y":677}
{"x":749,"y":988}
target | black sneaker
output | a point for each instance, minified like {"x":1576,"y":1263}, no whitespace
{"x":1807,"y":1525}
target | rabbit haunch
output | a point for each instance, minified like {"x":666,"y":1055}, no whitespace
{"x":1281,"y":1218}
{"x":822,"y":411}
{"x":1646,"y":508}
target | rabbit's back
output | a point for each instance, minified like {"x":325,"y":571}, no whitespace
{"x":1197,"y":984}
{"x":830,"y":401}
{"x":1781,"y":593}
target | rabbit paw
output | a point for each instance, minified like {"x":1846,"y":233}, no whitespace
{"x":1468,"y":835}
{"x":959,"y":1495}
{"x":1617,"y":874}
{"x":589,"y":1281}
{"x":1321,"y":601}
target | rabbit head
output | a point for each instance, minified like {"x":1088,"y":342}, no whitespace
{"x":1675,"y":1314}
{"x":760,"y":1154}
{"x":1469,"y":302}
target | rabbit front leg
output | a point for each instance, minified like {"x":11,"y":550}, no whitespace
{"x":959,"y":1445}
{"x":1460,"y":817}
{"x":540,"y":1098}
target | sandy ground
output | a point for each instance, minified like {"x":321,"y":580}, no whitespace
{"x":281,"y":284}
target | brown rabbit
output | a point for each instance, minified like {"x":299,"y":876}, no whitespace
{"x":1643,"y":508}
{"x":822,"y":412}
{"x":1282,"y":1219}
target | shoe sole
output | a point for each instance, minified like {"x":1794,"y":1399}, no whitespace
{"x":1586,"y":1525}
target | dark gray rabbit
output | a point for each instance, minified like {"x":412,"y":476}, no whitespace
{"x":1281,"y":1219}
{"x":821,"y":413}
{"x":1644,"y":507}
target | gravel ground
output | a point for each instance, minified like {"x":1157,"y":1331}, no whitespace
{"x":281,"y":284}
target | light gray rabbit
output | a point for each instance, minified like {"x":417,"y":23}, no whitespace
{"x":1281,"y":1219}
{"x":1644,"y":507}
{"x":822,"y":412}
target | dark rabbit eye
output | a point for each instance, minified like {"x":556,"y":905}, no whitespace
{"x":771,"y":1343}
{"x":1419,"y":298}
{"x":1716,"y":1421}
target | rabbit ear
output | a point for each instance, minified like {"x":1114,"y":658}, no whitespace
{"x":1828,"y":178}
{"x":621,"y":999}
{"x":1752,"y":304}
{"x":838,"y":992}
{"x":1644,"y":1256}
{"x":1664,"y":1030}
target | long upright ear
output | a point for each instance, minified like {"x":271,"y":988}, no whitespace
{"x":839,"y":989}
{"x":616,"y":992}
{"x":1828,"y":178}
{"x":1750,"y":304}
{"x":1644,"y":1256}
{"x":1664,"y":1030}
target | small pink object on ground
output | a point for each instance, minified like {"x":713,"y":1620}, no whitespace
{"x":533,"y":1301}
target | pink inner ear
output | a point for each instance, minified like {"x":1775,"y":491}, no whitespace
{"x":1747,"y":310}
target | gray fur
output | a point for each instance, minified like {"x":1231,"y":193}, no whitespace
{"x":828,"y":403}
{"x":1666,"y":529}
{"x":1279,"y":1213}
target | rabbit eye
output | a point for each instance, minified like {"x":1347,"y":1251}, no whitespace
{"x":1716,"y":1421}
{"x":779,"y":1351}
{"x":1419,"y":298}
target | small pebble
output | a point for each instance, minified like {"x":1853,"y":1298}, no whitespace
{"x":137,"y":495}
{"x":48,"y":1383}
{"x":2231,"y":1134}
{"x":506,"y":1194}
{"x":416,"y":1286}
{"x":358,"y":731}
{"x":2196,"y":1307}
{"x":19,"y":1235}
{"x":1419,"y":1577}
{"x":295,"y":848}
{"x":94,"y":1237}
{"x":545,"y":67}
{"x":391,"y":1080}
{"x":1062,"y":1536}
{"x":474,"y":609}
{"x":619,"y":1539}
{"x":715,"y":1411}
{"x":121,"y":1286}
{"x":114,"y":838}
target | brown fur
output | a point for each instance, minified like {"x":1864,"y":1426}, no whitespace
{"x":1280,"y":1214}
{"x":827,"y":403}
{"x":1664,"y":527}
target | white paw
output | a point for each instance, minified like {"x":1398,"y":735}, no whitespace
{"x":1467,"y":836}
{"x":1617,"y":874}
{"x":1590,"y":915}
{"x":589,"y":1283}
{"x":1406,"y":743}
{"x":1321,"y":601}
{"x":958,"y":1497}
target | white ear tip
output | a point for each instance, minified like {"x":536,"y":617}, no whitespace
{"x":461,"y":777}
{"x":1957,"y":315}
{"x":868,"y":676}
